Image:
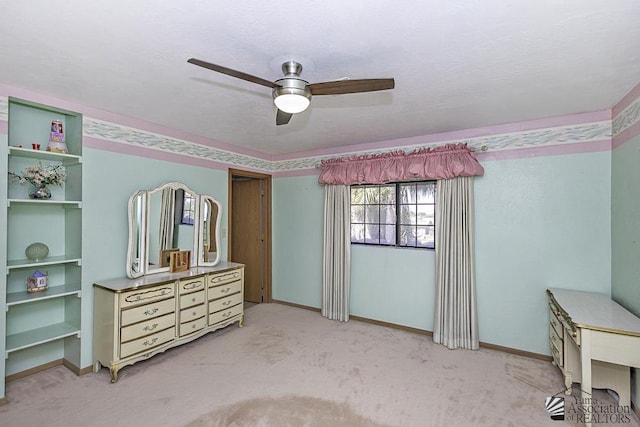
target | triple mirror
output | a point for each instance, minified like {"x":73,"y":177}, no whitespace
{"x":169,"y":218}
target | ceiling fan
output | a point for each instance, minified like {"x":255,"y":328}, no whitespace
{"x":291,"y":94}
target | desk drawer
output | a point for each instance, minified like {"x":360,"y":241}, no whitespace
{"x":145,"y":296}
{"x":225,"y":290}
{"x":151,"y":326}
{"x":190,"y":285}
{"x":221,"y":316}
{"x":192,"y":299}
{"x":147,"y":343}
{"x":226,"y":277}
{"x":148,"y":311}
{"x":555,"y":322}
{"x":561,"y":323}
{"x":557,"y":346}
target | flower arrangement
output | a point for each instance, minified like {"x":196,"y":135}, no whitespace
{"x":40,"y":175}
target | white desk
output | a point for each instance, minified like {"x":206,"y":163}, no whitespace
{"x":602,"y":331}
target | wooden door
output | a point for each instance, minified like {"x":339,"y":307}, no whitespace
{"x":248,"y":233}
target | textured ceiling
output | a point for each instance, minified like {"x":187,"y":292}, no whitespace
{"x":457,"y":64}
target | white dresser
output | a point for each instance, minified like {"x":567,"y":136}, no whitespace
{"x":593,"y":341}
{"x":135,"y":319}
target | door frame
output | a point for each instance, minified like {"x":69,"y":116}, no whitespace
{"x":267,"y":223}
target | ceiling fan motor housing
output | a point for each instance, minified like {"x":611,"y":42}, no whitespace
{"x":293,"y":95}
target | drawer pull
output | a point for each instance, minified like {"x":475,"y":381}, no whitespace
{"x":193,"y":326}
{"x":150,"y":342}
{"x":224,"y":291}
{"x":227,"y":314}
{"x":150,"y":327}
{"x":194,"y":313}
{"x":191,"y":285}
{"x":227,"y":303}
{"x":151,"y":312}
{"x":193,"y":300}
{"x":224,"y":277}
{"x":154,"y":293}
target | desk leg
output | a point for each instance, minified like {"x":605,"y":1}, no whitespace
{"x":585,"y":361}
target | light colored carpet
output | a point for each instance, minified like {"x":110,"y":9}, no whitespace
{"x":292,"y":367}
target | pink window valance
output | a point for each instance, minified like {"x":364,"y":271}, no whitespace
{"x":444,"y":162}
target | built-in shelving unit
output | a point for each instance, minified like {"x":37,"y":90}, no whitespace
{"x":42,"y":328}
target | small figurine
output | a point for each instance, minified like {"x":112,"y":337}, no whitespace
{"x":38,"y":282}
{"x":56,"y":138}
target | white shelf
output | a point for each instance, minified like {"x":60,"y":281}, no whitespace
{"x":66,"y":159}
{"x":24,"y":297}
{"x":52,"y":260}
{"x":63,"y":203}
{"x":23,"y":340}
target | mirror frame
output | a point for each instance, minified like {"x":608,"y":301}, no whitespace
{"x":140,"y":240}
{"x":200,"y":243}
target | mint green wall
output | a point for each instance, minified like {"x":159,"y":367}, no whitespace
{"x":109,"y":180}
{"x":540,"y":222}
{"x":625,"y":233}
{"x":625,"y":225}
{"x":297,"y":223}
{"x":393,"y":285}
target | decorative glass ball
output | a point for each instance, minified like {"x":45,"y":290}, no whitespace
{"x":37,"y":251}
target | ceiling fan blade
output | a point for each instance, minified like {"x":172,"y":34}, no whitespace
{"x":233,"y":73}
{"x":340,"y":87}
{"x":282,"y":118}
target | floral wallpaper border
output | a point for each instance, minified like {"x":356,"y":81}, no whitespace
{"x":587,"y":132}
{"x":627,"y":118}
{"x":120,"y":134}
{"x":536,"y":138}
{"x":571,"y":134}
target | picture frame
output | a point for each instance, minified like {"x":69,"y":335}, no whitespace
{"x":180,"y":261}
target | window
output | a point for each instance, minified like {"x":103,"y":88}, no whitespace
{"x":396,"y":214}
{"x":188,"y":208}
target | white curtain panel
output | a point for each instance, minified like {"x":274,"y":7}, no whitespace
{"x":456,"y":318}
{"x":336,"y":258}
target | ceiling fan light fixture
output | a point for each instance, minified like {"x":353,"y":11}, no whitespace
{"x":291,"y":100}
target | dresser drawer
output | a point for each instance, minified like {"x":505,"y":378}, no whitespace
{"x":221,"y":316}
{"x":145,"y":296}
{"x":147,"y":343}
{"x":216,"y":292}
{"x":222,"y":303}
{"x":193,"y":326}
{"x":148,"y":311}
{"x":151,"y":326}
{"x":190,"y":285}
{"x":192,"y":299}
{"x":226,"y":277}
{"x":190,"y":314}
